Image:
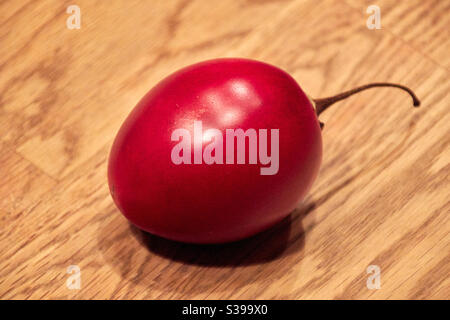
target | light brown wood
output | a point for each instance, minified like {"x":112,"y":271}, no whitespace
{"x":382,"y":196}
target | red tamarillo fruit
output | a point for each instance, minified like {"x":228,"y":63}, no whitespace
{"x":219,"y":151}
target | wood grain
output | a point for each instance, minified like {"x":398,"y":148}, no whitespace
{"x":382,"y":196}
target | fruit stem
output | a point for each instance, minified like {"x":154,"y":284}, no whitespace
{"x":324,"y":103}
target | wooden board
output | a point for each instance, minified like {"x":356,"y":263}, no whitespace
{"x":382,"y":196}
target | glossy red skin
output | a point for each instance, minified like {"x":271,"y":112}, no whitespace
{"x":200,"y":203}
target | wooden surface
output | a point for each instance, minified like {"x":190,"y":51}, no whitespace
{"x":381,"y":198}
